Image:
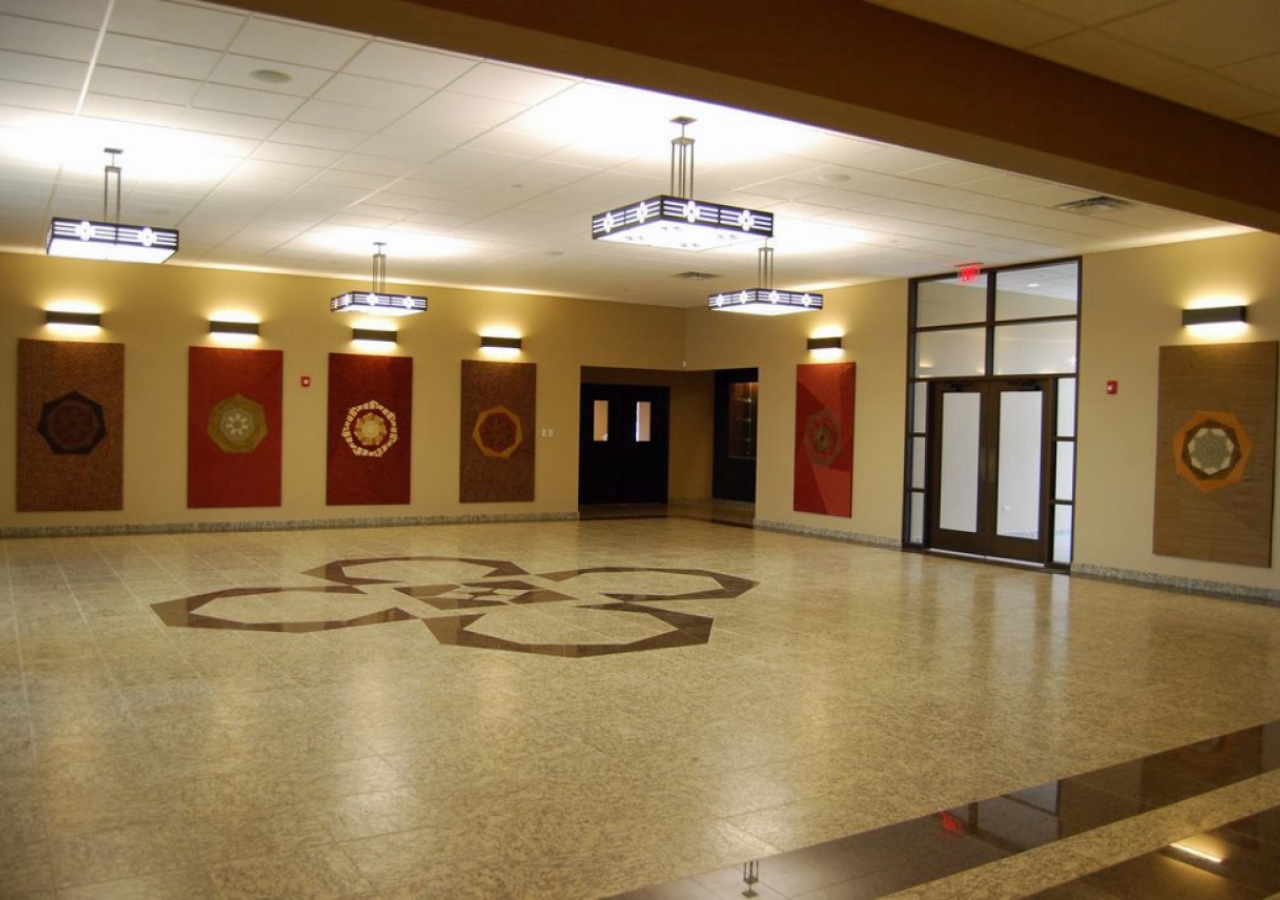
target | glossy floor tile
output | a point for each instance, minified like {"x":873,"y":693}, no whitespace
{"x":633,"y":707}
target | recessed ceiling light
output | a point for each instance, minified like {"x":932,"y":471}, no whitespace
{"x":271,"y":76}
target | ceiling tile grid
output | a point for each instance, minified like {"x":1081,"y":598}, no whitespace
{"x":287,"y":146}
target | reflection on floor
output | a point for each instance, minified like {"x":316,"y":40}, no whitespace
{"x":385,"y":713}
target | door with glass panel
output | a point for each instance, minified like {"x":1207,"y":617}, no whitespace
{"x":622,"y":445}
{"x":988,"y":457}
{"x":992,"y":387}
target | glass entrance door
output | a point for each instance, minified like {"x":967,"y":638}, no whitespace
{"x":988,"y":458}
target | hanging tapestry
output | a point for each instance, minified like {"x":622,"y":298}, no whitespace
{"x":70,"y":426}
{"x":1215,"y":456}
{"x":234,"y":400}
{"x":824,"y":439}
{"x":498,"y":404}
{"x":370,"y":417}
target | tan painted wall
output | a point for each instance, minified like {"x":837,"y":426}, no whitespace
{"x":158,"y":311}
{"x":1132,"y":306}
{"x":692,"y":424}
{"x":873,"y":320}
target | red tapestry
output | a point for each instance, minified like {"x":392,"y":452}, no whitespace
{"x":70,"y":426}
{"x":370,"y":422}
{"x":498,"y":405}
{"x":234,"y":400}
{"x":824,"y":439}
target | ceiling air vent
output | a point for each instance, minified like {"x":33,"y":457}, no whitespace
{"x":1100,"y":202}
{"x":695,"y":276}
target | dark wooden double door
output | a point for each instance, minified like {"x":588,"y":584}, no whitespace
{"x":623,"y":444}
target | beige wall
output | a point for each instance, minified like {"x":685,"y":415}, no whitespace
{"x":873,"y":320}
{"x":157,"y":312}
{"x":1132,"y":306}
{"x":1132,"y":300}
{"x":691,"y":420}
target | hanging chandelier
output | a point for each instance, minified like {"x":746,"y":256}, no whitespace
{"x":377,"y":301}
{"x":110,"y":240}
{"x":676,"y":221}
{"x":765,"y":300}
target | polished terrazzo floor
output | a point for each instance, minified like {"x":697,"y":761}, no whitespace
{"x":630,"y":707}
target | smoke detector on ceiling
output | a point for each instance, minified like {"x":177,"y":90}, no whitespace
{"x":1100,"y":202}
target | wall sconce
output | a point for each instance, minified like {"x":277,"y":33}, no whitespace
{"x":373,"y":334}
{"x":222,"y":327}
{"x":500,"y":343}
{"x":826,"y":343}
{"x":59,"y":317}
{"x":1214,"y":315}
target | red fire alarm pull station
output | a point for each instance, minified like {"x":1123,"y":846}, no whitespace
{"x":306,"y":381}
{"x":1113,"y":387}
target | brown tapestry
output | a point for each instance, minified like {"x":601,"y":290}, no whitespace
{"x":1215,"y":458}
{"x":70,"y":426}
{"x":498,"y":404}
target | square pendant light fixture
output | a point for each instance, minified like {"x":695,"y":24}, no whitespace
{"x":377,"y":301}
{"x":110,"y":240}
{"x":674,"y":220}
{"x":765,"y":300}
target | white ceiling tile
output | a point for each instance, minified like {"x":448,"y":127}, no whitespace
{"x":126,"y":109}
{"x":264,"y":104}
{"x":145,"y":55}
{"x":1113,"y":59}
{"x":446,"y":107}
{"x":176,"y":23}
{"x":29,"y":69}
{"x":364,"y":181}
{"x":1203,"y":33}
{"x":1218,"y":96}
{"x":408,"y":65}
{"x":343,"y":115}
{"x":301,"y":45}
{"x":421,"y":142}
{"x":511,"y":83}
{"x":238,"y":71}
{"x":317,"y":136}
{"x":39,"y":97}
{"x":373,"y":93}
{"x":1262,"y":74}
{"x":1092,"y":12}
{"x":270,"y":151}
{"x":232,"y":124}
{"x":376,"y":165}
{"x":950,"y":172}
{"x":46,"y":38}
{"x":279,"y":171}
{"x":85,"y":13}
{"x":124,"y":83}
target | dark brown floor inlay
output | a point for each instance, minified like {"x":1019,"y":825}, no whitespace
{"x":448,"y":584}
{"x":876,"y":863}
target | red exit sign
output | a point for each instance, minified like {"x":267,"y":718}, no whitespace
{"x":970,"y":272}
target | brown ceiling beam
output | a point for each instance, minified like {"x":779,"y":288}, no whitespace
{"x":858,"y":68}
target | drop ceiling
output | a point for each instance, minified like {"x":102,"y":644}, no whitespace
{"x":277,"y":145}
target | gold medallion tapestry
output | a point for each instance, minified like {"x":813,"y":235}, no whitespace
{"x":497,"y":431}
{"x":1215,"y":458}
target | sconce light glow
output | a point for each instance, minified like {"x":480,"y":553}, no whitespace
{"x":373,"y":338}
{"x":500,"y":347}
{"x":1216,"y":317}
{"x":72,"y":322}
